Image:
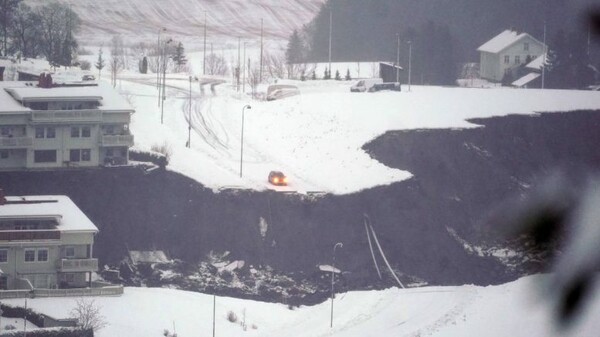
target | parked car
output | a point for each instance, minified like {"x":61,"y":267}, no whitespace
{"x":88,"y":78}
{"x":365,"y":85}
{"x":394,"y":86}
{"x":279,"y":91}
{"x":278,"y":178}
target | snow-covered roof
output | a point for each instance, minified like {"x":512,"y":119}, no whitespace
{"x":60,"y":207}
{"x":525,"y":79}
{"x":13,"y":92}
{"x":7,"y":102}
{"x":35,"y":94}
{"x":502,"y":41}
{"x":538,"y":63}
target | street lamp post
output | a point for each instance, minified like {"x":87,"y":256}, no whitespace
{"x":204,"y":53}
{"x":398,"y":60}
{"x":158,"y":50}
{"x":189,"y":144}
{"x":164,"y":93}
{"x":332,"y":280}
{"x":242,"y":146}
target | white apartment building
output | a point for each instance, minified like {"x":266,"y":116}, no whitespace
{"x":46,"y":242}
{"x":74,"y":124}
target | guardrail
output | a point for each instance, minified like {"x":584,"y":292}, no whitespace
{"x":73,"y":292}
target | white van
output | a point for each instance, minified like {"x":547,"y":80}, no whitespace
{"x":365,"y":85}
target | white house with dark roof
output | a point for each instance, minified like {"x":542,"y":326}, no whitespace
{"x":71,"y":124}
{"x":46,"y":248}
{"x":506,"y":52}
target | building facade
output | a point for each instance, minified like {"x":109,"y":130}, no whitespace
{"x":46,"y":242}
{"x":507,"y":52}
{"x":67,"y":125}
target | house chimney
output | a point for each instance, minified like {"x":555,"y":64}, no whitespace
{"x":1,"y":73}
{"x":2,"y":198}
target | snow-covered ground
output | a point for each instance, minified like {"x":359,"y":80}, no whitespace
{"x":514,"y":309}
{"x":315,"y":138}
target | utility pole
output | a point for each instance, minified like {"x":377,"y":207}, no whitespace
{"x":544,"y":58}
{"x":261,"y":51}
{"x":239,"y":63}
{"x":204,"y":56}
{"x":244,"y":71}
{"x":330,"y":30}
{"x":398,"y":60}
{"x":409,"y":62}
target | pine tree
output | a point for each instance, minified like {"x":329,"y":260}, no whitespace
{"x":99,"y":63}
{"x":295,"y":49}
{"x":179,"y":57}
{"x":348,"y":78}
{"x":144,"y":65}
{"x":337,"y":75}
{"x":314,"y":75}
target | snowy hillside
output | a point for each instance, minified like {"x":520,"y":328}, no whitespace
{"x":315,"y":138}
{"x":515,"y":309}
{"x":140,"y":20}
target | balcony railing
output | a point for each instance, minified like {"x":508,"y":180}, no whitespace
{"x":66,"y":116}
{"x":15,"y":142}
{"x":116,"y":140}
{"x":29,"y":235}
{"x":78,"y":265}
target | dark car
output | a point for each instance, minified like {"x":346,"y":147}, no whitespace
{"x":278,"y":178}
{"x":393,"y":86}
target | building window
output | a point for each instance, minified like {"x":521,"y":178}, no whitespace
{"x":86,"y":155}
{"x":70,"y":252}
{"x":44,"y":156}
{"x":506,"y":59}
{"x":4,"y":154}
{"x":517,"y":59}
{"x":70,"y":278}
{"x":109,"y":152}
{"x":39,"y":132}
{"x":74,"y":132}
{"x":526,"y":46}
{"x":85,"y":132}
{"x":75,"y":155}
{"x":5,"y":131}
{"x":42,"y":255}
{"x":29,"y":255}
{"x":50,"y":132}
{"x":3,"y":255}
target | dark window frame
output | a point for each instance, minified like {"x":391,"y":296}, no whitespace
{"x":45,"y":156}
{"x":75,"y":132}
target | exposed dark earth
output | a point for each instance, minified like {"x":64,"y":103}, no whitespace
{"x":460,"y":177}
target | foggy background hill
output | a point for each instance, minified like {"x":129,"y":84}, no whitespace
{"x":444,"y":33}
{"x":141,"y":19}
